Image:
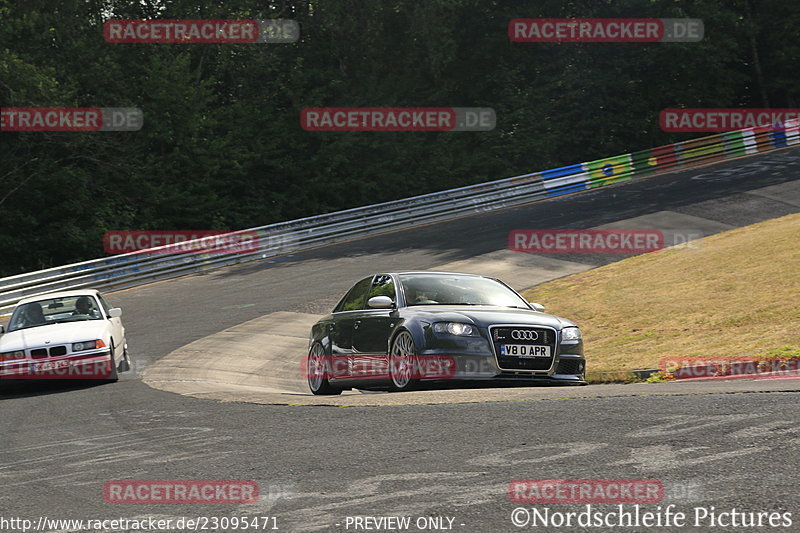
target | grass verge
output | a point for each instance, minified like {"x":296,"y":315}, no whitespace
{"x":734,"y":294}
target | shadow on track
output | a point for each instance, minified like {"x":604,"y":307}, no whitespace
{"x":18,"y":388}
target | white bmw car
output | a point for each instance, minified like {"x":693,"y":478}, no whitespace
{"x":64,"y":335}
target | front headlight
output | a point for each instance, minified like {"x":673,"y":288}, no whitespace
{"x":88,"y":345}
{"x":570,"y":334}
{"x":455,"y":328}
{"x":7,"y":356}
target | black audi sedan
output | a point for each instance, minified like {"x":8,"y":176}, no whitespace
{"x":397,"y":330}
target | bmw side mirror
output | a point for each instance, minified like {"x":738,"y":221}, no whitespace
{"x":536,"y":307}
{"x":114,"y":312}
{"x":380,"y":302}
{"x":2,"y":329}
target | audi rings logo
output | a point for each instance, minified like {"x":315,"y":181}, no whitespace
{"x":524,"y":335}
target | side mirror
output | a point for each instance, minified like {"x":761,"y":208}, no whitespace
{"x":536,"y":307}
{"x":380,"y":302}
{"x":2,"y":329}
{"x":114,"y":312}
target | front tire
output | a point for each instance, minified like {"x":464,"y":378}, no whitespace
{"x":317,"y":373}
{"x":402,"y":362}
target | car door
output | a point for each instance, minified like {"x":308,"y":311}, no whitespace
{"x":371,"y":330}
{"x":340,"y":331}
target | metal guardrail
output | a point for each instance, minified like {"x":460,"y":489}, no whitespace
{"x":161,"y":263}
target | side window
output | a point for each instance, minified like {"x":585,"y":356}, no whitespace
{"x":383,"y":286}
{"x":357,"y":297}
{"x":103,"y":301}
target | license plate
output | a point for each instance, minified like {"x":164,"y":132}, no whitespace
{"x":524,"y":350}
{"x":50,"y":365}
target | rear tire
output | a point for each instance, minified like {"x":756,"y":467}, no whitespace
{"x":402,"y":362}
{"x":317,"y":372}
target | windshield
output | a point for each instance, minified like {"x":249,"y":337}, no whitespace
{"x":442,"y":289}
{"x":54,"y":311}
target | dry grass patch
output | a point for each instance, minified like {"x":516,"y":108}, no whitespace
{"x":736,"y":293}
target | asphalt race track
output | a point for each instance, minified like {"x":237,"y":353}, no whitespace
{"x":317,"y":465}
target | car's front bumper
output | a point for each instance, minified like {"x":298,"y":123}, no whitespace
{"x":93,"y":364}
{"x":474,"y":358}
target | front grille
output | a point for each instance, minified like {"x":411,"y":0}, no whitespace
{"x":531,"y":336}
{"x":569,"y":366}
{"x":54,"y":350}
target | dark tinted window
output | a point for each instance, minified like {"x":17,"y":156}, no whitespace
{"x":444,"y":289}
{"x":383,"y":286}
{"x":356,"y":298}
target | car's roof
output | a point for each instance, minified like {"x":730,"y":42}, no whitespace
{"x":59,"y":294}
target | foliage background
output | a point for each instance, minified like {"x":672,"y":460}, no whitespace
{"x":222,"y":146}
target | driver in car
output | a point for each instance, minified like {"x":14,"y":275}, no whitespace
{"x":84,"y":306}
{"x":33,"y":316}
{"x":421,"y":297}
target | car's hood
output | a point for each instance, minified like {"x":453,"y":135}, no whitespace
{"x":52,"y":334}
{"x":485,"y":315}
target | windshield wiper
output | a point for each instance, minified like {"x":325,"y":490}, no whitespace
{"x":28,"y":327}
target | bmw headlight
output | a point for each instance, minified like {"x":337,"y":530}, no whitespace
{"x":19,"y":354}
{"x":88,"y":345}
{"x":570,"y":334}
{"x":455,"y":328}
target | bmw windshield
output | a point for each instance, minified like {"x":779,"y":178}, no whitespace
{"x":54,"y":311}
{"x":443,"y":289}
